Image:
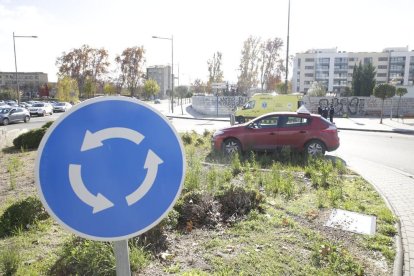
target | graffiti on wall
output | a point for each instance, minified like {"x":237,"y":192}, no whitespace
{"x":350,"y":106}
{"x":232,"y":102}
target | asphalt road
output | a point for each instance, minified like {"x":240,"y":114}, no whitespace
{"x":388,"y":149}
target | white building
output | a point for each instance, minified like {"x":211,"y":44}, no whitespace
{"x":334,"y":69}
{"x":162,"y":75}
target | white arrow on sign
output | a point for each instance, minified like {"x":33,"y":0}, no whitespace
{"x":98,"y":202}
{"x":94,"y":140}
{"x":151,"y":163}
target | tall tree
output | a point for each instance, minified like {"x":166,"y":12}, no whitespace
{"x":214,"y":68}
{"x":401,"y":91}
{"x":368,"y":79}
{"x":151,"y":88}
{"x":356,"y":80}
{"x":131,"y":64}
{"x":384,"y":91}
{"x":250,"y":53}
{"x":363,"y":80}
{"x":67,"y":90}
{"x":271,"y":65}
{"x":83,"y":63}
{"x":182,"y":92}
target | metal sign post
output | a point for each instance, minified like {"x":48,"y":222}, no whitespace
{"x":122,"y":258}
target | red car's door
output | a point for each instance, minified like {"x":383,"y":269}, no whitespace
{"x":293,"y":131}
{"x":262,"y":134}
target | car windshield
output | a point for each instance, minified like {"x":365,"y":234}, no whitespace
{"x":4,"y":110}
{"x":39,"y":105}
{"x":59,"y":104}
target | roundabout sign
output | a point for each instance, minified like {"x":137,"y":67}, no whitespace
{"x":109,"y":169}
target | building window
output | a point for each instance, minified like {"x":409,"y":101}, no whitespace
{"x":383,"y":59}
{"x":351,"y":59}
{"x":309,"y":67}
{"x":367,"y":60}
{"x":298,"y":62}
{"x":309,"y":59}
{"x":381,"y":75}
{"x":309,"y":75}
{"x":397,"y":59}
{"x":323,"y":60}
{"x":382,"y":66}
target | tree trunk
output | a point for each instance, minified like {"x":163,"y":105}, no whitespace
{"x":382,"y":110}
{"x":398,"y":107}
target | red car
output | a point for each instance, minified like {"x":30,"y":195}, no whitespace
{"x":304,"y":132}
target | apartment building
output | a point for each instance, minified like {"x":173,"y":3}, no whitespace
{"x":334,"y":69}
{"x":162,"y":75}
{"x":29,"y":83}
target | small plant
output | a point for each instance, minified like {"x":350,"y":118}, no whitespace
{"x":197,"y":209}
{"x":276,"y":183}
{"x":85,"y":257}
{"x":187,"y":138}
{"x":10,"y":260}
{"x":335,"y":260}
{"x":238,"y":201}
{"x":20,"y":215}
{"x":236,"y":164}
{"x":13,"y":167}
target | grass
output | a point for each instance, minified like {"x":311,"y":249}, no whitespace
{"x":274,"y":225}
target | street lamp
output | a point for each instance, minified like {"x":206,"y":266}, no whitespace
{"x":15,"y":61}
{"x":172,"y":68}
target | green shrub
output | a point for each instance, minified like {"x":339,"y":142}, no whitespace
{"x":197,"y":209}
{"x":85,"y":257}
{"x":20,"y":215}
{"x":187,"y":138}
{"x":47,"y":125}
{"x":237,"y":201}
{"x":30,"y":140}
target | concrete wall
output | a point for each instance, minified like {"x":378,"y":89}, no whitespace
{"x":7,"y":137}
{"x":344,"y":106}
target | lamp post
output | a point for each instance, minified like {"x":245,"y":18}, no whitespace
{"x":172,"y":68}
{"x":15,"y":61}
{"x":287,"y":52}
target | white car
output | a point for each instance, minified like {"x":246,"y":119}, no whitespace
{"x":61,"y":107}
{"x":41,"y":109}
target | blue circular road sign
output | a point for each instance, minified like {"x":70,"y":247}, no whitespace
{"x":111,"y":168}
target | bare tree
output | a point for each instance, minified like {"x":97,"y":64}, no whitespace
{"x":198,"y":86}
{"x":131,"y":64}
{"x":271,"y":65}
{"x":249,"y":64}
{"x":214,"y":68}
{"x":83,"y":63}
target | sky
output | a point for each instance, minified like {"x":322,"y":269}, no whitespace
{"x":200,"y":28}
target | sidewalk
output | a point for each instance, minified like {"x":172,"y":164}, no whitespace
{"x":405,"y":126}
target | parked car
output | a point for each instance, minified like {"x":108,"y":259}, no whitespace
{"x":12,"y":103}
{"x":25,"y":105}
{"x":303,"y":132}
{"x":41,"y":109}
{"x":157,"y":101}
{"x":61,"y":106}
{"x":13,"y":114}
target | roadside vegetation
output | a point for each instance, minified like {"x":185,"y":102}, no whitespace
{"x":256,"y":214}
